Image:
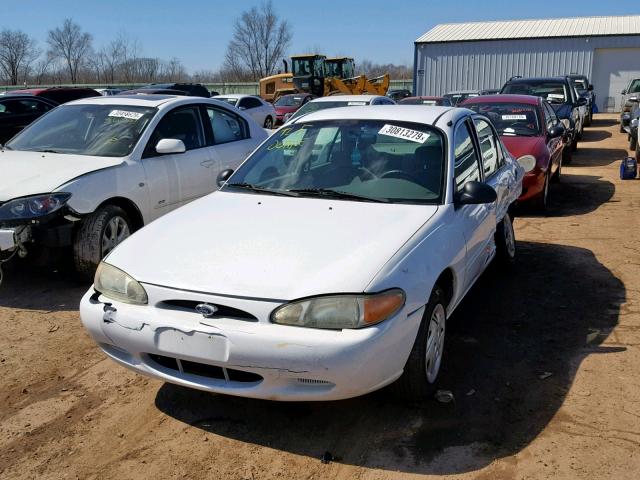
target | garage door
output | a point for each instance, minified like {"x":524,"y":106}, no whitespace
{"x":612,"y":70}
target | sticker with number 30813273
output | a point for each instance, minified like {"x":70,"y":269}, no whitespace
{"x":404,"y":133}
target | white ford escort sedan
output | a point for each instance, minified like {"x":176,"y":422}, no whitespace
{"x":324,"y":268}
{"x":90,"y":172}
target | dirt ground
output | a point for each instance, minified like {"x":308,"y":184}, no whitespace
{"x":571,"y":308}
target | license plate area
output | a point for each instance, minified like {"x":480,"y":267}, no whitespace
{"x":7,"y":239}
{"x":192,"y":345}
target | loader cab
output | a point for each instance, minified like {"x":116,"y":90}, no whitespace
{"x":341,"y":67}
{"x":309,"y":72}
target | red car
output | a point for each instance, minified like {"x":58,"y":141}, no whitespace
{"x":430,"y":101}
{"x":58,"y":94}
{"x":531,"y":131}
{"x":289,"y":104}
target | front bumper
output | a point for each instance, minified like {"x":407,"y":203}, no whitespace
{"x":256,"y":359}
{"x":532,"y":185}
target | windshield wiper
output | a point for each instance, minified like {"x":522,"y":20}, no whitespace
{"x":49,"y":151}
{"x":254,"y":188}
{"x":327,"y":192}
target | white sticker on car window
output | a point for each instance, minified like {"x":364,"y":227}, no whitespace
{"x":125,"y":114}
{"x":356,"y":104}
{"x":514,"y":117}
{"x":555,"y":96}
{"x":404,"y":133}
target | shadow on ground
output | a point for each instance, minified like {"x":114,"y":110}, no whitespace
{"x":26,"y":287}
{"x":510,"y":329}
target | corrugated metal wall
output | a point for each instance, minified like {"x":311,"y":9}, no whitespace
{"x":442,"y":67}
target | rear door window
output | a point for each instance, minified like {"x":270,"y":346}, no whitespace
{"x":466,"y":167}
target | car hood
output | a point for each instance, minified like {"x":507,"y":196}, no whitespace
{"x":270,"y":247}
{"x":284,"y":110}
{"x":519,"y":146}
{"x":30,"y":173}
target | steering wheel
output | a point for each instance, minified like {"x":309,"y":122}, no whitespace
{"x":401,"y":174}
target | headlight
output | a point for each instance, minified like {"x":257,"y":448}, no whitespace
{"x":340,"y":311}
{"x":27,"y":208}
{"x":528,"y":162}
{"x":634,"y":123}
{"x":117,"y":285}
{"x":566,"y":122}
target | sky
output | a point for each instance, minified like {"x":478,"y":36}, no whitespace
{"x":197,"y":31}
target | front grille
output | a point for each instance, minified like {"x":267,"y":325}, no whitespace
{"x":224,"y":311}
{"x":204,"y":369}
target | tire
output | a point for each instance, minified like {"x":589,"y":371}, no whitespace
{"x":541,"y":203}
{"x":633,"y":143}
{"x":505,"y":239}
{"x":574,"y":145}
{"x":268,"y":122}
{"x":555,"y":178}
{"x":567,"y":154}
{"x":637,"y":155}
{"x":96,"y":237}
{"x":420,"y":376}
{"x":622,"y":130}
{"x":589,"y":118}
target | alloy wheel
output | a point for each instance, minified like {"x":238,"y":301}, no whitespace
{"x":116,"y":231}
{"x":435,"y":342}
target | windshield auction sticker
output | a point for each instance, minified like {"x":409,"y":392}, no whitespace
{"x":356,"y":104}
{"x":514,"y":117}
{"x":404,"y":133}
{"x":125,"y":114}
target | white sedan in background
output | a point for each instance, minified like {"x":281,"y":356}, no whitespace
{"x":262,"y":112}
{"x":90,"y":172}
{"x":324,"y":268}
{"x":336,"y":101}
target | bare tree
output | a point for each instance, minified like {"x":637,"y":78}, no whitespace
{"x":70,"y":44}
{"x":17,"y":52}
{"x":260,"y":39}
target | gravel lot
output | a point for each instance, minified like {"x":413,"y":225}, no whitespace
{"x":571,"y":308}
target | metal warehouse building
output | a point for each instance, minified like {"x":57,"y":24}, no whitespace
{"x":486,"y":54}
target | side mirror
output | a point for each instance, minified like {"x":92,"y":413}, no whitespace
{"x":475,"y":193}
{"x":590,"y":87}
{"x":556,"y":131}
{"x":170,"y":145}
{"x":624,"y":92}
{"x":582,"y":102}
{"x":223,"y":176}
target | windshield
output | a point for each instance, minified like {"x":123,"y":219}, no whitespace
{"x":315,"y":106}
{"x":511,"y":119}
{"x":99,"y":130}
{"x":289,"y":101}
{"x":552,"y":92}
{"x":230,"y":100}
{"x":456,"y":98}
{"x":371,"y":160}
{"x":421,"y":101}
{"x":635,"y":86}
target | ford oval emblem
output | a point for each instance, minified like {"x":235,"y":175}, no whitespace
{"x":206,"y":310}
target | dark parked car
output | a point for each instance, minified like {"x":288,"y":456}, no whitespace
{"x":191,"y":89}
{"x":59,"y":95}
{"x":630,"y":101}
{"x":561,"y":94}
{"x":490,"y":91}
{"x":18,"y":111}
{"x":585,"y":89}
{"x":398,"y":94}
{"x":532,"y":133}
{"x":430,"y":101}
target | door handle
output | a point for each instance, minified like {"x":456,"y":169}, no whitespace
{"x":207,"y":163}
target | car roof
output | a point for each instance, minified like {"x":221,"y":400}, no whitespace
{"x":424,"y":97}
{"x":235,"y":95}
{"x":18,"y":96}
{"x":538,"y":79}
{"x":140,"y":100}
{"x":347,"y":98}
{"x":392,"y":113}
{"x":457,"y":92}
{"x":504,"y":98}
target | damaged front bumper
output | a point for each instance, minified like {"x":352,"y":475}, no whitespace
{"x":249,"y":358}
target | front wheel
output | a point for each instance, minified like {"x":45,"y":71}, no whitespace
{"x":505,"y":239}
{"x":98,"y":234}
{"x":542,"y":201}
{"x":268,"y":123}
{"x":418,"y":381}
{"x":567,"y":155}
